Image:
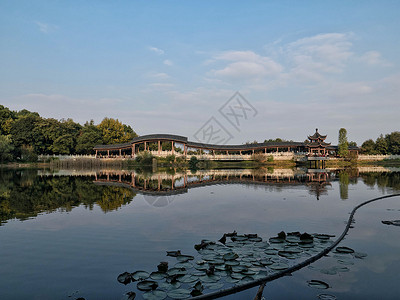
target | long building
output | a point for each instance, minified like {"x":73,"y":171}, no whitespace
{"x":168,"y":144}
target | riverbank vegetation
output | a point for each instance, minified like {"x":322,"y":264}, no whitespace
{"x":24,"y":135}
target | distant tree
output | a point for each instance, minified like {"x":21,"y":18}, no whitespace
{"x":352,"y":144}
{"x":368,"y":147}
{"x":381,"y":145}
{"x":63,"y":144}
{"x":28,"y":153}
{"x":343,"y":145}
{"x":114,"y":132}
{"x":6,"y":149}
{"x":393,"y":141}
{"x":6,"y":119}
{"x":90,"y":136}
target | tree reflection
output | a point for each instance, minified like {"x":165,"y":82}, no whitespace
{"x":24,"y":194}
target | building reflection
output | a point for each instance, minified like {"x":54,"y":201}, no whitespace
{"x":178,"y":182}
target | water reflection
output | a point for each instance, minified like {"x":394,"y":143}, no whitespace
{"x":26,"y":193}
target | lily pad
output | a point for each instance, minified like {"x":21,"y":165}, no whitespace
{"x":169,"y":285}
{"x":158,"y":275}
{"x":184,"y":265}
{"x":318,"y":284}
{"x":155,"y":295}
{"x":230,"y":256}
{"x":232,"y":263}
{"x":176,"y":271}
{"x":360,"y":255}
{"x":326,"y":297}
{"x":147,"y":285}
{"x":344,"y":250}
{"x":184,"y":258}
{"x":210,"y":278}
{"x":140,"y":275}
{"x":179,"y":294}
{"x":188,"y":278}
{"x":279,"y":266}
{"x":124,"y":278}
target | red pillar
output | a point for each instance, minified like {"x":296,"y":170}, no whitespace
{"x":159,"y":147}
{"x":145,"y":146}
{"x":133,"y":150}
{"x":108,"y":153}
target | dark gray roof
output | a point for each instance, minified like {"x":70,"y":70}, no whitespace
{"x":169,"y":137}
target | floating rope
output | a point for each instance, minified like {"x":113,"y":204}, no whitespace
{"x":264,"y":280}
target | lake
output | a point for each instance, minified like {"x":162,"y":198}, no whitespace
{"x":69,"y":234}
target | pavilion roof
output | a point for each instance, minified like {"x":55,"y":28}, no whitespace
{"x":316,"y":136}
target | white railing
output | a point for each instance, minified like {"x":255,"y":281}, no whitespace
{"x":378,"y":157}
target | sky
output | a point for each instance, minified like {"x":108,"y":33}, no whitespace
{"x":176,"y":66}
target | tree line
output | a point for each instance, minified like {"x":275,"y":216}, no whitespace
{"x":388,"y":144}
{"x":25,"y":134}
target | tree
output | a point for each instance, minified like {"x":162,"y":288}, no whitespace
{"x":368,"y":147}
{"x":63,"y":144}
{"x":393,"y":141}
{"x":381,"y":145}
{"x":89,"y":137}
{"x":6,"y":149}
{"x":343,"y":146}
{"x":114,"y":132}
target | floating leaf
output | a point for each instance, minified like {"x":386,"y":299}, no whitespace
{"x":124,"y":278}
{"x":176,"y":271}
{"x":184,"y":265}
{"x":342,"y":269}
{"x":188,"y":278}
{"x":279,"y":266}
{"x":213,"y":286}
{"x":276,"y":240}
{"x":140,"y":275}
{"x":210,"y":278}
{"x":344,"y":250}
{"x":326,"y":297}
{"x":345,"y":262}
{"x":129,"y":296}
{"x":155,"y":295}
{"x":184,"y":258}
{"x":323,"y":236}
{"x":230,"y":256}
{"x":360,"y":255}
{"x":147,"y":285}
{"x":179,"y":294}
{"x":232,"y":263}
{"x":318,"y":284}
{"x":169,"y":286}
{"x":158,"y":275}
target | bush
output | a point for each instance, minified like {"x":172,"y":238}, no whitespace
{"x":270,"y":158}
{"x":144,"y":158}
{"x":170,"y":158}
{"x":193,"y":162}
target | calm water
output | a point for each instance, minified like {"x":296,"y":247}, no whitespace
{"x":69,"y":234}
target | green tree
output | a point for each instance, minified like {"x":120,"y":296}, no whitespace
{"x":114,"y":132}
{"x":393,"y":141}
{"x":89,"y":137}
{"x":6,"y":149}
{"x":63,"y":144}
{"x":343,"y":146}
{"x":368,"y":147}
{"x":381,"y":145}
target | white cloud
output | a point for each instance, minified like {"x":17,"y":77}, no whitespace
{"x":168,"y":62}
{"x":159,"y":75}
{"x":156,"y":50}
{"x":313,"y":57}
{"x":245,"y":65}
{"x":46,"y":28}
{"x":374,"y":58}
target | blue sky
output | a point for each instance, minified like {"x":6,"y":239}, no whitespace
{"x":168,"y":66}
